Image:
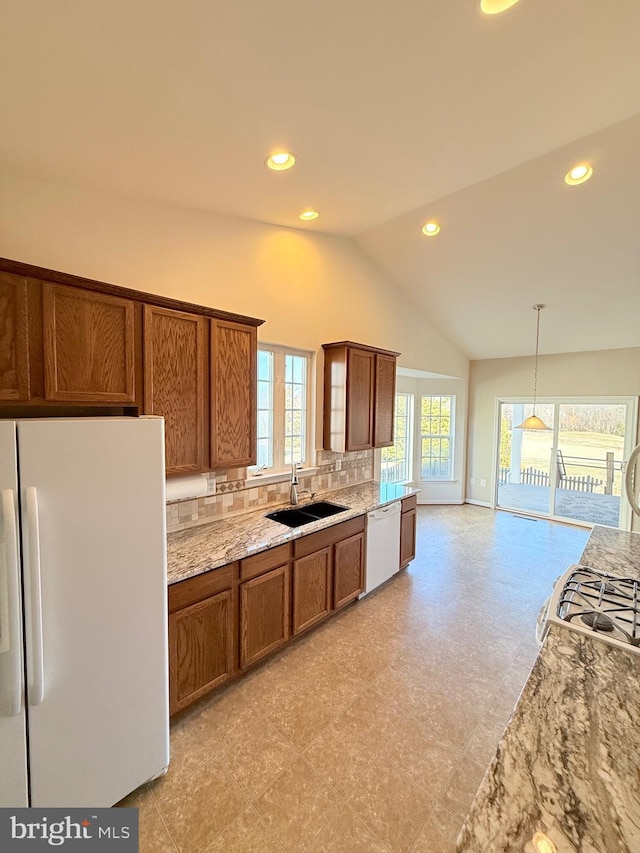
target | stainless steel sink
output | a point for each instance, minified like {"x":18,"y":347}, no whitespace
{"x":297,"y":516}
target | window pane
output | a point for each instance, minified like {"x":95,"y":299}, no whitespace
{"x":282,"y":392}
{"x":264,"y":424}
{"x":396,"y":463}
{"x":264,"y":453}
{"x":265,"y":365}
{"x":264,"y":395}
{"x":299,"y":369}
{"x":436,"y":426}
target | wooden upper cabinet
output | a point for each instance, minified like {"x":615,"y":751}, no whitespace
{"x":175,"y":349}
{"x":360,"y":399}
{"x":89,"y":346}
{"x":14,"y":338}
{"x":384,"y":407}
{"x":359,"y":389}
{"x":233,"y":394}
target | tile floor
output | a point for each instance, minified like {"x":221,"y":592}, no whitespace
{"x":373,"y":732}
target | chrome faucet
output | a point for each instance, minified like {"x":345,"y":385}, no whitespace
{"x":293,"y":491}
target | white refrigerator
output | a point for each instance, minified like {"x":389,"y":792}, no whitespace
{"x":84,"y":712}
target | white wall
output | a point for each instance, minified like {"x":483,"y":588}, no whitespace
{"x":601,"y":373}
{"x":310,"y":288}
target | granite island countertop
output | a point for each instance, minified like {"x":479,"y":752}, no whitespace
{"x":568,"y":763}
{"x":208,"y":546}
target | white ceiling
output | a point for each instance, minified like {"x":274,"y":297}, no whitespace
{"x":397,"y":111}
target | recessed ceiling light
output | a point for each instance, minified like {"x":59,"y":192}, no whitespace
{"x":280,"y":160}
{"x":494,"y":7}
{"x":579,"y":174}
{"x":431,"y":229}
{"x":308,"y":215}
{"x":543,"y":844}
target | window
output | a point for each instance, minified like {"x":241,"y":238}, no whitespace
{"x":396,"y":462}
{"x":283,"y":410}
{"x":436,"y":437}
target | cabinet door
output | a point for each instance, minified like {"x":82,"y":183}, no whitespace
{"x":407,"y":537}
{"x":14,"y":340}
{"x":360,"y":391}
{"x":201,"y":643}
{"x":264,"y":615}
{"x":174,"y":384}
{"x":89,"y":346}
{"x":233,"y":394}
{"x":348,"y":570}
{"x":384,"y":401}
{"x":311,"y":589}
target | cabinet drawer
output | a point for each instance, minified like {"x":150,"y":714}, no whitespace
{"x":328,"y":536}
{"x":184,"y":593}
{"x":251,"y":567}
{"x":409,"y":503}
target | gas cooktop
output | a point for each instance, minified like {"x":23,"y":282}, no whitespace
{"x":595,"y":603}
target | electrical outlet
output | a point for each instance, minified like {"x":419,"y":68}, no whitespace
{"x":211,"y":486}
{"x":483,"y":482}
{"x":473,"y":481}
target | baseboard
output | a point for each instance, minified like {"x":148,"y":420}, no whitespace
{"x":438,"y":503}
{"x":478,"y":503}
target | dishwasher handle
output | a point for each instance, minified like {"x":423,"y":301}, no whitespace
{"x":384,"y":512}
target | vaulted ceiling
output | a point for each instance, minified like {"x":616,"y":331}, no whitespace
{"x":397,"y":112}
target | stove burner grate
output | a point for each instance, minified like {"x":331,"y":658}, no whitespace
{"x":602,"y":602}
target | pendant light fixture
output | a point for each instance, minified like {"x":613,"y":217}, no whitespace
{"x":533,"y":421}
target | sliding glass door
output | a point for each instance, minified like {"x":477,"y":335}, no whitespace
{"x":524,"y":471}
{"x":574,"y":471}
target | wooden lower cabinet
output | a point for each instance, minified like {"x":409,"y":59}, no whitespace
{"x":348,"y":572}
{"x":264,"y":615}
{"x":408,"y":531}
{"x":311,"y":589}
{"x":202,"y":635}
{"x":226,"y":620}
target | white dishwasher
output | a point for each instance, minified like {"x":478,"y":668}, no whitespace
{"x":383,"y":545}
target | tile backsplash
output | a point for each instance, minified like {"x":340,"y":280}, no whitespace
{"x":232,"y":495}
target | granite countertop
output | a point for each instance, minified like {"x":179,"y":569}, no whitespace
{"x":568,"y":763}
{"x":200,"y":549}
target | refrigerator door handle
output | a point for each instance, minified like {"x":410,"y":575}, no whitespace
{"x":35,"y":648}
{"x":10,"y":615}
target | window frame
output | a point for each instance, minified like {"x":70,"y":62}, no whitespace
{"x":278,"y":466}
{"x":450,"y":436}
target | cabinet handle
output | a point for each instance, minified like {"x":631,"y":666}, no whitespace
{"x":33,"y":577}
{"x":10,"y":605}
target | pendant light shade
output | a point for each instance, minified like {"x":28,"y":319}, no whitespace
{"x":533,"y":421}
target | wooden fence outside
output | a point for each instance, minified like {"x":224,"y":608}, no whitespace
{"x":535,"y":477}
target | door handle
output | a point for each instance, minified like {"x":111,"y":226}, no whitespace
{"x":33,"y":578}
{"x":10,"y":605}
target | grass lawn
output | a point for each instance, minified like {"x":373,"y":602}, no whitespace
{"x":591,"y":446}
